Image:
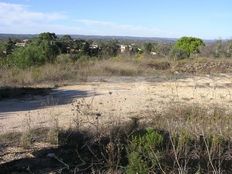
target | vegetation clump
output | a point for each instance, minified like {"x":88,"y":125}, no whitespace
{"x":186,"y":46}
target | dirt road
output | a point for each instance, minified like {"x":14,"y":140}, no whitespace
{"x":114,"y":100}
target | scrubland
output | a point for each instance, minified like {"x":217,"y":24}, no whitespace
{"x":121,"y":115}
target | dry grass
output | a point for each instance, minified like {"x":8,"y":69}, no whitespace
{"x":181,"y":139}
{"x":67,"y":72}
{"x":195,"y":120}
{"x":50,"y":74}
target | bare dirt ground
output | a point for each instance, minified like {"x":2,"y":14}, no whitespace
{"x":113,"y":99}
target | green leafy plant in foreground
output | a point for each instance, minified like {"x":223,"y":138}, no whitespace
{"x":143,"y":152}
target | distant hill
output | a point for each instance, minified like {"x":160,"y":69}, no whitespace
{"x":16,"y":36}
{"x":125,"y":38}
{"x":96,"y":37}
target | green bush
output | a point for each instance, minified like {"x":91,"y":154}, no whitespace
{"x":178,"y":53}
{"x":186,"y":46}
{"x":40,"y":50}
{"x":28,"y":56}
{"x":136,"y":164}
{"x":143,"y":151}
{"x":36,"y":53}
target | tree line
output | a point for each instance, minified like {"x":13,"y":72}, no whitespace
{"x":47,"y":46}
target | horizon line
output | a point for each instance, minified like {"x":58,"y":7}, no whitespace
{"x":132,"y":36}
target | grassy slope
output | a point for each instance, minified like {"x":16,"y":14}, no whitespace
{"x":66,"y":72}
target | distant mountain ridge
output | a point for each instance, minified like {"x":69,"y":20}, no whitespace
{"x":98,"y":37}
{"x":92,"y":37}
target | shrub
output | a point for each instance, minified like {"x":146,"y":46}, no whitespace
{"x":25,"y":57}
{"x":136,"y":164}
{"x":148,"y":47}
{"x":33,"y":54}
{"x":143,"y":151}
{"x":26,"y":139}
{"x":178,"y":53}
{"x":41,"y":49}
{"x":186,"y":46}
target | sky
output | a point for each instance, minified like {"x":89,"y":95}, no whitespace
{"x":207,"y":19}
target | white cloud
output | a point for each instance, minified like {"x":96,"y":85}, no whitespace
{"x":17,"y":18}
{"x":20,"y":19}
{"x":11,"y":13}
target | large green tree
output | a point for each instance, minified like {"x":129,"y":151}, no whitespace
{"x":40,"y":50}
{"x":186,"y":46}
{"x":28,"y":56}
{"x":47,"y":36}
{"x":66,"y":38}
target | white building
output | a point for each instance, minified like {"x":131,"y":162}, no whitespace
{"x":22,"y":44}
{"x":123,"y":48}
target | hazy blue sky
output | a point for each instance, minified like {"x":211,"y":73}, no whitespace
{"x":209,"y":19}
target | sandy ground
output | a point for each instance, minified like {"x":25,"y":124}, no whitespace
{"x":114,"y":100}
